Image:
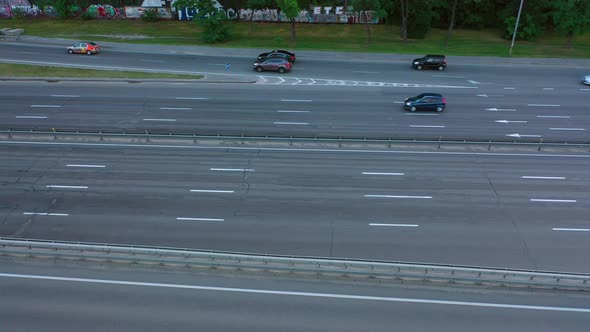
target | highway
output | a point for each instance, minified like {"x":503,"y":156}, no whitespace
{"x":469,"y":208}
{"x":59,"y":297}
{"x":296,"y":110}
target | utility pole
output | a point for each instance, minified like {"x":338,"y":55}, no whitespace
{"x":515,"y":27}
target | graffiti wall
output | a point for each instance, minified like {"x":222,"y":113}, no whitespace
{"x":315,"y":14}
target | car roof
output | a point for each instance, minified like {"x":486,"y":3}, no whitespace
{"x":429,"y":94}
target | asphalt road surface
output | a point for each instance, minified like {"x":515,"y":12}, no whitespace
{"x":296,"y":110}
{"x":40,"y":297}
{"x":502,"y":210}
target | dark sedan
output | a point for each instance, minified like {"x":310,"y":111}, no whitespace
{"x":276,"y":64}
{"x":425,"y":102}
{"x":278,"y":54}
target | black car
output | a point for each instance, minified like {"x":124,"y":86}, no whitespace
{"x":426,"y":102}
{"x":278,"y":64}
{"x":278,"y":54}
{"x":430,"y":61}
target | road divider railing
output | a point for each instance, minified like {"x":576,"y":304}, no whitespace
{"x":291,"y":265}
{"x":261,"y":140}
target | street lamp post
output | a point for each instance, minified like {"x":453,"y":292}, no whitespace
{"x":515,"y":27}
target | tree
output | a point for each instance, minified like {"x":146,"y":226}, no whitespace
{"x":405,"y":12}
{"x":571,"y":17}
{"x":451,"y":22}
{"x":291,"y":10}
{"x":368,"y":5}
{"x":212,"y":21}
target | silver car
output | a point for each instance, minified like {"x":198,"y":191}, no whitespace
{"x":586,"y":80}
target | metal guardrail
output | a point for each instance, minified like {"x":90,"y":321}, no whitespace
{"x":352,"y":268}
{"x":242,"y":138}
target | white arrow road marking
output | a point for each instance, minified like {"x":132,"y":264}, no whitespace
{"x":510,"y":121}
{"x":520,"y":135}
{"x":501,"y":109}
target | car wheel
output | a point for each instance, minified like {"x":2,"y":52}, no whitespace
{"x":441,"y":68}
{"x":439,"y":109}
{"x":419,"y":67}
{"x":413,"y":109}
{"x":70,"y":51}
{"x":259,"y":69}
{"x":281,"y":70}
{"x":88,"y":52}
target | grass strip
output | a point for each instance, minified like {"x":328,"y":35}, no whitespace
{"x":18,"y":70}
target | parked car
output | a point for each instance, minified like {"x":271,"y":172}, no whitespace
{"x":430,"y":61}
{"x":277,"y":64}
{"x":586,"y":80}
{"x":84,"y":48}
{"x":278,"y":54}
{"x":426,"y":102}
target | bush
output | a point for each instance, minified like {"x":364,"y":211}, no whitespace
{"x":527,"y":29}
{"x":150,"y":15}
{"x":86,"y":16}
{"x":215,"y":29}
{"x":18,"y":12}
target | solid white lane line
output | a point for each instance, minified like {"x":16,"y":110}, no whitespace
{"x":422,"y":114}
{"x":66,"y":96}
{"x":572,"y":229}
{"x":396,"y":196}
{"x":45,"y":106}
{"x":544,"y":177}
{"x":394,"y":225}
{"x":543,"y":105}
{"x":424,"y":126}
{"x":191,"y":98}
{"x":25,"y":52}
{"x":380,"y":173}
{"x":568,"y":129}
{"x":177,"y":108}
{"x":554,"y":116}
{"x":296,"y":293}
{"x":66,"y":187}
{"x":291,"y":123}
{"x":164,"y":120}
{"x":509,"y":88}
{"x":365,"y":72}
{"x":291,"y":111}
{"x":584,"y":89}
{"x":31,"y":117}
{"x":211,"y":191}
{"x":232,"y":169}
{"x":147,"y":60}
{"x":46,"y":214}
{"x":553,"y":200}
{"x":199,"y":219}
{"x":548,"y":89}
{"x":297,"y":100}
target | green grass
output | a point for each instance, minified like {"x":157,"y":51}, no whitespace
{"x":17,"y":70}
{"x":329,"y":37}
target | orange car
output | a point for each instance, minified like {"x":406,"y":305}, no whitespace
{"x":84,"y":47}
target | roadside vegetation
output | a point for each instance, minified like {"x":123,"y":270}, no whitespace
{"x":17,"y":70}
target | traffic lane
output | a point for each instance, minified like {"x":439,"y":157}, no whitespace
{"x":318,"y":115}
{"x":312,"y":68}
{"x":306,"y":211}
{"x":184,"y":301}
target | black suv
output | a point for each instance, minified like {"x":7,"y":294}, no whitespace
{"x":430,"y":61}
{"x":426,"y":102}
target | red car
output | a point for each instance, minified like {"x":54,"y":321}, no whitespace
{"x":278,"y":64}
{"x":84,"y":48}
